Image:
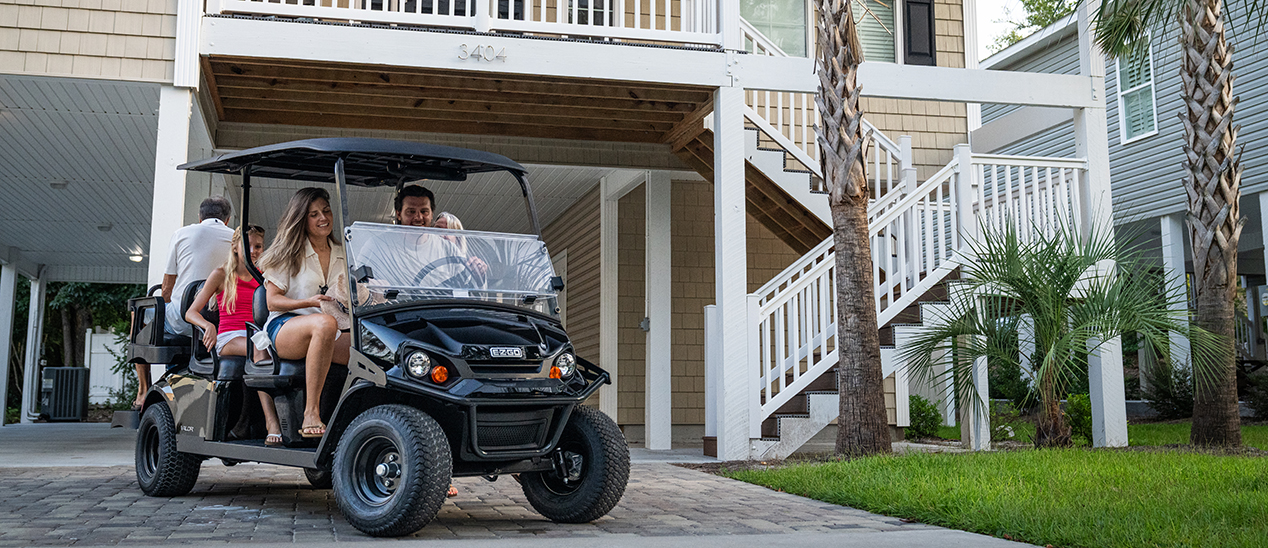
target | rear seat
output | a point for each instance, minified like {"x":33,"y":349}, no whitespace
{"x":150,"y":342}
{"x":271,"y":372}
{"x":209,"y":363}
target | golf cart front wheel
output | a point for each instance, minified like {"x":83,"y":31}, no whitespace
{"x":591,"y":467}
{"x":391,"y":471}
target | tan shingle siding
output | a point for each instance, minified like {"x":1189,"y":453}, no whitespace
{"x":114,"y":39}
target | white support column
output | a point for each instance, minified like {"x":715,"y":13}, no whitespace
{"x":658,"y":406}
{"x":975,"y":429}
{"x":8,"y":281}
{"x":730,"y":271}
{"x":1173,"y":235}
{"x":1263,"y":224}
{"x":711,"y":383}
{"x":1026,"y":345}
{"x":729,"y":21}
{"x":34,"y":332}
{"x":608,"y":236}
{"x":167,"y":212}
{"x":1105,"y":365}
{"x":1105,"y":368}
{"x":969,"y":19}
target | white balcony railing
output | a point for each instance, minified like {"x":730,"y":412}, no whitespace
{"x":660,"y":21}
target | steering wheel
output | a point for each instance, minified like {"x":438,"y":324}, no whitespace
{"x":465,"y":278}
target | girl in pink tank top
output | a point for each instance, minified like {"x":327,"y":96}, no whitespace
{"x":233,"y":287}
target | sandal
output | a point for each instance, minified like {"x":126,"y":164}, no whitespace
{"x":312,"y":430}
{"x":452,"y":492}
{"x":273,"y":440}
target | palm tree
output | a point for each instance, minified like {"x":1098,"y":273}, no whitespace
{"x":1213,"y":175}
{"x":1070,"y":290}
{"x":863,"y":428}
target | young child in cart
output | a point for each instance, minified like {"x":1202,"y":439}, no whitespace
{"x":233,"y":287}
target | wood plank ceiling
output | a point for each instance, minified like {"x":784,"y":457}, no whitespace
{"x":306,"y":93}
{"x":274,"y":91}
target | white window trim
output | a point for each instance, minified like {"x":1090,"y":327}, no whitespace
{"x":1153,"y":95}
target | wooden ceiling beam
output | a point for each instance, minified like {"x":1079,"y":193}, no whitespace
{"x":424,"y":80}
{"x":690,"y":127}
{"x":423,"y":103}
{"x":559,"y":122}
{"x":448,"y":73}
{"x":430,"y":92}
{"x":467,"y":127}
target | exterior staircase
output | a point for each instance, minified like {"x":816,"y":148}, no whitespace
{"x":918,"y":231}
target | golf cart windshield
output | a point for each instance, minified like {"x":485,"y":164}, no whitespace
{"x":397,"y":264}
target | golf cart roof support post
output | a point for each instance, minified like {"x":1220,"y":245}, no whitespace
{"x":243,"y":223}
{"x":528,"y":201}
{"x":341,"y":194}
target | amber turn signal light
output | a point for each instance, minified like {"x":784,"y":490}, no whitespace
{"x":439,"y":374}
{"x":556,"y":373}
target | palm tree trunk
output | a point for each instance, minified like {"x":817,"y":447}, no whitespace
{"x":1213,"y":177}
{"x":862,"y":425}
{"x":1052,"y":430}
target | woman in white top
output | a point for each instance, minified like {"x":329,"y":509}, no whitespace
{"x":303,"y":263}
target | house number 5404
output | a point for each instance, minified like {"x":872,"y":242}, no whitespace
{"x":481,"y":53}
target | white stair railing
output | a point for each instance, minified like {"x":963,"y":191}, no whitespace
{"x":789,"y":119}
{"x":916,"y":241}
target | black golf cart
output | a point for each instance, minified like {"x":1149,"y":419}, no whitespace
{"x":459,"y":363}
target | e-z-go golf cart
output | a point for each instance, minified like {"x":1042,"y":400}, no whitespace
{"x":457,"y":368}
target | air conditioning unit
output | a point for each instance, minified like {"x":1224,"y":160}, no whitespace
{"x":64,"y":393}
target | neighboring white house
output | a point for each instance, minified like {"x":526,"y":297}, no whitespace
{"x":671,"y":146}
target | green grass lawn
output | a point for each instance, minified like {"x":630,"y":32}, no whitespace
{"x":1140,"y":434}
{"x":1072,"y":497}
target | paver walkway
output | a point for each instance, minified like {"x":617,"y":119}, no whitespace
{"x":73,"y":484}
{"x":259,"y":503}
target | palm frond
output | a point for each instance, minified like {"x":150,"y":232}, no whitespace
{"x":1074,"y":291}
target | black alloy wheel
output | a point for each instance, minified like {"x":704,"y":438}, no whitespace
{"x":161,"y":470}
{"x":392,"y":470}
{"x":591,"y":468}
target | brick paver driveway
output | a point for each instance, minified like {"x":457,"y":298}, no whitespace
{"x":259,"y":503}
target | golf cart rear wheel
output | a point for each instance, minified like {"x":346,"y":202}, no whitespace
{"x":391,"y":471}
{"x":161,"y":470}
{"x":319,"y":478}
{"x":592,"y":466}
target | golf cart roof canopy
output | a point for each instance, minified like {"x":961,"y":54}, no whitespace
{"x":367,"y":162}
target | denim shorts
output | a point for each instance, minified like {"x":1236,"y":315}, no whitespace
{"x":276,"y":325}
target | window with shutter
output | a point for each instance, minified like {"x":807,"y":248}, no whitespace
{"x":919,"y":48}
{"x":875,"y":20}
{"x":1136,"y":112}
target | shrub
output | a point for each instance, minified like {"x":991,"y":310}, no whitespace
{"x":925,"y":418}
{"x":1257,"y":395}
{"x":1006,"y":383}
{"x":1078,"y":410}
{"x":1005,"y":422}
{"x":1170,"y":391}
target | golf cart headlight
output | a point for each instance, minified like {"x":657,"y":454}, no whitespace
{"x":418,"y":364}
{"x":567,"y":364}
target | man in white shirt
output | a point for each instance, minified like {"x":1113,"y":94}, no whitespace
{"x":196,"y":250}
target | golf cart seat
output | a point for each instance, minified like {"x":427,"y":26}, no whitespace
{"x":207,"y":363}
{"x":270,"y":372}
{"x":149,"y":340}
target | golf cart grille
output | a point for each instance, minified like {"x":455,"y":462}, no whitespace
{"x":526,"y":430}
